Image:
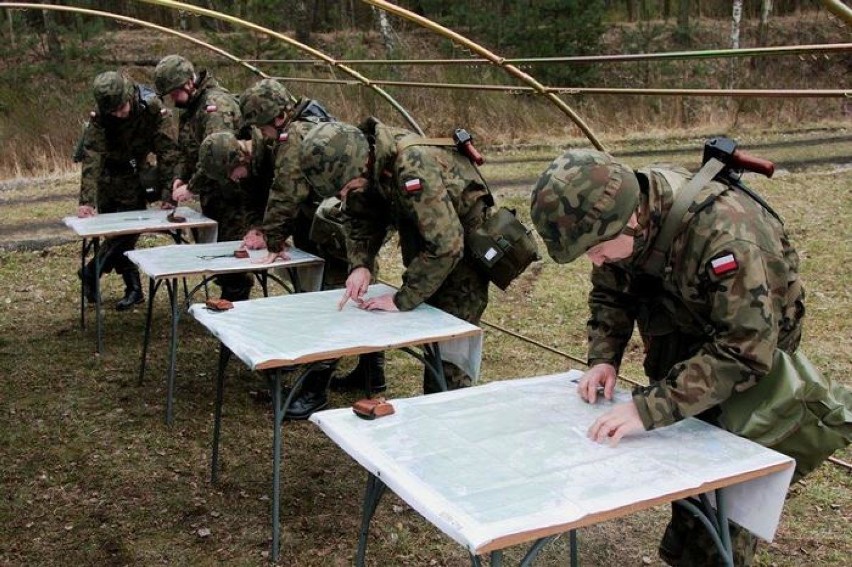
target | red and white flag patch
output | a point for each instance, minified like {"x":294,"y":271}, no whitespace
{"x":283,"y":136}
{"x":413,"y":185}
{"x":724,"y":265}
{"x":211,"y":108}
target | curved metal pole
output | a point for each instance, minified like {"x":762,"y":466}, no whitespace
{"x":839,"y":9}
{"x":318,"y":54}
{"x":495,"y":59}
{"x":143,"y":23}
{"x":592,"y":59}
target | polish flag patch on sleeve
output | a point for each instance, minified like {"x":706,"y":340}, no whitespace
{"x":413,"y":185}
{"x":283,"y":137}
{"x":723,"y":265}
{"x":211,"y":108}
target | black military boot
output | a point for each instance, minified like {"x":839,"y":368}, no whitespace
{"x":371,"y":367}
{"x":87,"y":280}
{"x":313,"y":396}
{"x":132,"y":291}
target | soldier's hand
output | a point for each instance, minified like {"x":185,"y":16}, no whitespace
{"x":254,"y":240}
{"x":622,"y":419}
{"x":356,"y":286}
{"x":600,"y":376}
{"x":182,"y":194}
{"x":166,"y":205}
{"x":84,"y":211}
{"x":272,"y":256}
{"x":380,"y":303}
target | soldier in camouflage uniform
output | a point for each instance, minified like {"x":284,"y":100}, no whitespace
{"x":284,"y":120}
{"x":432,"y":195}
{"x":206,"y":107}
{"x":728,"y":295}
{"x":130,"y":123}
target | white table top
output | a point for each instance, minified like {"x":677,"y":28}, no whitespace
{"x":509,"y":462}
{"x":218,"y":258}
{"x":137,"y":222}
{"x":298,"y":328}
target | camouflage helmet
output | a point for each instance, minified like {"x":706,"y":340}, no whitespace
{"x":111,"y":90}
{"x":172,"y":72}
{"x":265,"y":100}
{"x":333,"y":154}
{"x":582,"y":199}
{"x":218,"y":155}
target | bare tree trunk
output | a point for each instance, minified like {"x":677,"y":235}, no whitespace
{"x":736,"y":17}
{"x":385,"y":30}
{"x":11,"y":29}
{"x":683,"y":32}
{"x":54,"y":48}
{"x":763,"y":29}
{"x":303,"y":22}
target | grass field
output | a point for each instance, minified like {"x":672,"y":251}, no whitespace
{"x":90,"y":474}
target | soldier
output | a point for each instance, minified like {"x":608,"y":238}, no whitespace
{"x":727,"y":295}
{"x":206,"y":108}
{"x":432,"y":195}
{"x":130,"y":123}
{"x":284,"y":120}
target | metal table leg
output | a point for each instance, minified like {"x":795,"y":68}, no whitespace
{"x":153,"y":286}
{"x":431,"y":359}
{"x":224,"y":356}
{"x":172,"y":287}
{"x":716,"y":523}
{"x":372,"y":496}
{"x":99,"y":316}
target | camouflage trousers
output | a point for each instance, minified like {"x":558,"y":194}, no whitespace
{"x":119,"y":193}
{"x":687,"y":543}
{"x":464,"y":294}
{"x":224,"y":204}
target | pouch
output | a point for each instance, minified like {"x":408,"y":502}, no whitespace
{"x":371,"y":408}
{"x":503,"y":247}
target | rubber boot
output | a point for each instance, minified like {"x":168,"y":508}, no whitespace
{"x":313,"y":395}
{"x":233,"y":293}
{"x":87,"y":280}
{"x":132,"y":291}
{"x":370,"y":368}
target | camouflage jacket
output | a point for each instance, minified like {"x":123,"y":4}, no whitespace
{"x":212,"y":109}
{"x":427,"y":193}
{"x":728,"y":295}
{"x":292,"y":201}
{"x":113,"y":146}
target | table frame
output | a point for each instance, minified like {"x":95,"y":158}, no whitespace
{"x":262,"y":276}
{"x":91,"y":242}
{"x":430,"y":356}
{"x":715,"y":521}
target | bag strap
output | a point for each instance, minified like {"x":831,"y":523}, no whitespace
{"x":415,"y":140}
{"x":685,"y":197}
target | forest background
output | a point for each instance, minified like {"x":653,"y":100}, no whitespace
{"x":48,"y":59}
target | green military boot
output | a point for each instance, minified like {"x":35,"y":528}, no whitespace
{"x":132,"y":291}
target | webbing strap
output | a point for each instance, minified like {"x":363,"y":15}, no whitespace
{"x":654,"y":264}
{"x":409,"y":141}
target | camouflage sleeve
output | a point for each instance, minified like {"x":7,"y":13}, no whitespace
{"x":94,"y":150}
{"x":187,"y":153}
{"x":288,"y":192}
{"x":221,"y":113}
{"x":612,"y":314}
{"x":166,"y":151}
{"x":427,"y":204}
{"x":745,"y":333}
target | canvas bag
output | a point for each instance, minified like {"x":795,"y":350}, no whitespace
{"x":794,"y":410}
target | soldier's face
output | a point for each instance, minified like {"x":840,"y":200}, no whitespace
{"x":618,"y":248}
{"x":122,"y":111}
{"x":180,"y":95}
{"x":269,"y":131}
{"x":239,"y":172}
{"x":353,"y":186}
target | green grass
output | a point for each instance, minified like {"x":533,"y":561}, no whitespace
{"x":90,"y":475}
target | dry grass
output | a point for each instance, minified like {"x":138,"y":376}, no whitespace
{"x":92,"y":476}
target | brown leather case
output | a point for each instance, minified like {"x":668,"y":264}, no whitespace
{"x":371,"y":408}
{"x":240,"y":253}
{"x":219,"y":304}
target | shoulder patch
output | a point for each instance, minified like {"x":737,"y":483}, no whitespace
{"x":283,"y":136}
{"x":92,"y":114}
{"x":413,"y":186}
{"x":724,"y":264}
{"x":164,"y":111}
{"x":211,"y":108}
